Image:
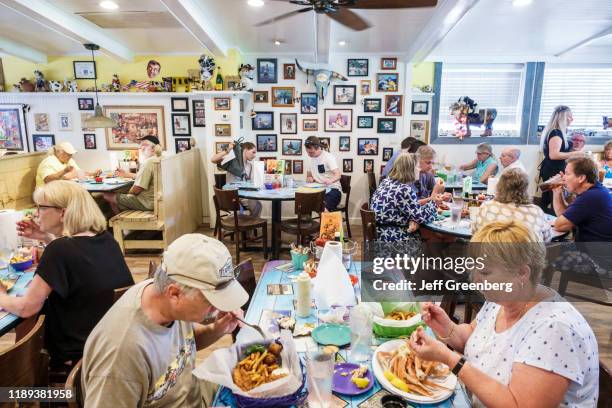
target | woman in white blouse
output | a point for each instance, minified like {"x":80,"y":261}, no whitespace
{"x":527,"y":347}
{"x":513,"y":203}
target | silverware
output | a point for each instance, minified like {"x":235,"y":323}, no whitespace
{"x":254,"y":326}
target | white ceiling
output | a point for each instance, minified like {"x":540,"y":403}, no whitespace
{"x":493,"y":30}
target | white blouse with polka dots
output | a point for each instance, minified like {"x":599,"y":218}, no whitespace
{"x":552,"y":336}
{"x":530,"y":214}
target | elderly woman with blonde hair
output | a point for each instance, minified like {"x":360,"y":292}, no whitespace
{"x":527,"y":346}
{"x":513,"y":203}
{"x":78,"y":271}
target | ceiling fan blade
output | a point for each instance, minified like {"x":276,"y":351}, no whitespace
{"x":393,"y":4}
{"x":282,"y":17}
{"x":348,"y":18}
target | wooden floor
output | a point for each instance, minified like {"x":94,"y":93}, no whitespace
{"x":597,"y":316}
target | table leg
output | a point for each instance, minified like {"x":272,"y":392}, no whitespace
{"x":276,"y":219}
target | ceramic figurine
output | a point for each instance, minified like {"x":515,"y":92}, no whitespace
{"x":116,"y":85}
{"x":207,"y":67}
{"x":56,"y":86}
{"x":246,"y":72}
{"x":26,"y":85}
{"x":16,"y":88}
{"x":71,"y":86}
{"x":41,"y":83}
{"x":106,"y":88}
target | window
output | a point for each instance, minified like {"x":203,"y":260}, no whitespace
{"x":491,"y":86}
{"x":587,"y":90}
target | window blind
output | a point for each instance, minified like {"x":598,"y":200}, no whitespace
{"x":587,"y":90}
{"x":498,"y":86}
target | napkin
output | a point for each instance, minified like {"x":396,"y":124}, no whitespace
{"x":258,"y":174}
{"x":332,"y":286}
{"x":8,"y":228}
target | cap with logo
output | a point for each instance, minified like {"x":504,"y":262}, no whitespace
{"x":202,"y":262}
{"x":66,"y":147}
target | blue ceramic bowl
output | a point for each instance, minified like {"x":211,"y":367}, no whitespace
{"x":269,"y":186}
{"x":22,"y":266}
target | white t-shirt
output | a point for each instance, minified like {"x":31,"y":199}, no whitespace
{"x":552,"y":336}
{"x":516,"y":165}
{"x":322,"y":168}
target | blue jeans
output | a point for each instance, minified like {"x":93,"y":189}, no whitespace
{"x":332,"y":199}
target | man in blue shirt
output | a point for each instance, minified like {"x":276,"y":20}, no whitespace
{"x":408,"y":145}
{"x":591,"y":212}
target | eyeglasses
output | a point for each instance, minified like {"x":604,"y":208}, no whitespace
{"x":39,"y":206}
{"x":219,"y":286}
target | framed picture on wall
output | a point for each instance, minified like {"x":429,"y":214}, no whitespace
{"x":393,"y":105}
{"x":288,"y":71}
{"x":338,"y":120}
{"x":179,"y":104}
{"x":267,"y":70}
{"x":388,"y":63}
{"x":288,"y":166}
{"x":309,"y":103}
{"x":64,"y":121}
{"x":344,"y":144}
{"x":365,"y":122}
{"x":260,"y":96}
{"x":387,"y":82}
{"x":42,"y":143}
{"x":181,"y":125}
{"x":357,"y":67}
{"x":365,"y":87}
{"x":182,"y":144}
{"x":223,"y":129}
{"x":221,"y":146}
{"x":387,"y":153}
{"x":86,"y":103}
{"x":223,"y":103}
{"x":372,"y":105}
{"x":367,"y":146}
{"x":41,"y":122}
{"x":310,"y":125}
{"x":84,"y":117}
{"x":419,"y":129}
{"x":386,"y":125}
{"x":292,"y":147}
{"x":288,"y":123}
{"x":199,"y":113}
{"x":420,"y":107}
{"x":266,"y":143}
{"x":345,"y":94}
{"x":283,"y":96}
{"x":325,"y":143}
{"x":263,"y":121}
{"x":13,"y":135}
{"x":134,"y":122}
{"x":298,"y":167}
{"x":84,"y":69}
{"x":368,"y":165}
{"x":347,"y":165}
{"x":89,"y":141}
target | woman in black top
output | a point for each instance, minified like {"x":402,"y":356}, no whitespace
{"x":556,"y":149}
{"x":78,"y":271}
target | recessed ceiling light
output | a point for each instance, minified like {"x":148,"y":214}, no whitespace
{"x":277,"y":42}
{"x":255,"y":3}
{"x":109,"y":5}
{"x":342,"y":43}
{"x":521,"y":3}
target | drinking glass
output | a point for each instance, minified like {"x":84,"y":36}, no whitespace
{"x":456,"y":207}
{"x":361,"y":334}
{"x":319,"y":371}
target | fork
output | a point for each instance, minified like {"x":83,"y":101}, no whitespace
{"x":254,"y":326}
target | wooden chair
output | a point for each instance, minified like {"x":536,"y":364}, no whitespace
{"x":368,"y":223}
{"x":605,"y":386}
{"x":304,"y":225}
{"x":73,"y":383}
{"x":247,"y":280}
{"x":143,"y":220}
{"x":25,"y":363}
{"x":220,"y":180}
{"x":345,"y":182}
{"x":120,"y":292}
{"x":371,"y":183}
{"x":238,"y":223}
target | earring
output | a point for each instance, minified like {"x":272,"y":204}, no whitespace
{"x":522,"y":285}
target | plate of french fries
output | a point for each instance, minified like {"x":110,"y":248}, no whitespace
{"x":401,"y":372}
{"x":260,"y":364}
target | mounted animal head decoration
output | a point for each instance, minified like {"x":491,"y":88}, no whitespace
{"x":322,"y":78}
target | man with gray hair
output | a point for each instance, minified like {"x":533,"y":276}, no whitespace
{"x":142,"y":352}
{"x":510,"y":159}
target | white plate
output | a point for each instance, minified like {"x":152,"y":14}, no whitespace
{"x":449,"y":382}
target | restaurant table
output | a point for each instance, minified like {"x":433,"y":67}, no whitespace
{"x":108,"y":185}
{"x":263,"y":302}
{"x":463,"y":229}
{"x":458,"y":185}
{"x":276,"y":197}
{"x":9,"y":321}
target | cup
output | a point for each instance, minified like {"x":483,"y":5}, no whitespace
{"x":456,"y":207}
{"x":361,"y":334}
{"x":319,"y":374}
{"x":298,"y":259}
{"x":99,"y":179}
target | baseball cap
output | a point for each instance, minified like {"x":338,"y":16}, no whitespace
{"x":66,"y":147}
{"x":312,"y":141}
{"x":151,"y":139}
{"x":202,"y":262}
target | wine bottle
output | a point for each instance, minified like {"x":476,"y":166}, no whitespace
{"x":219,"y":81}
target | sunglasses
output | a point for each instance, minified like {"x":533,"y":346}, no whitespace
{"x":219,"y":286}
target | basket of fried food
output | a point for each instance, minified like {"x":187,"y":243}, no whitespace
{"x":393,"y":320}
{"x":401,"y":372}
{"x":255,"y":374}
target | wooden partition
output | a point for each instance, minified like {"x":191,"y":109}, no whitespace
{"x":18,"y":179}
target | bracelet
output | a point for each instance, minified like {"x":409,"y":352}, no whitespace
{"x":458,"y":366}
{"x":452,"y":330}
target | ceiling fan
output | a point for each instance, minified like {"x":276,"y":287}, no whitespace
{"x":339,"y":10}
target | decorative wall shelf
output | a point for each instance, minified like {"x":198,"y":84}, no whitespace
{"x":131,"y":94}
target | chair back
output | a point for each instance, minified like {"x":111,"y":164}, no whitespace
{"x":73,"y":383}
{"x":228,"y":200}
{"x":220,"y":180}
{"x":368,"y":223}
{"x":307,"y":203}
{"x":247,"y":280}
{"x":26,"y":364}
{"x":371,"y":182}
{"x":345,"y":183}
{"x":119,"y":292}
{"x":158,"y":192}
{"x":605,"y":386}
{"x":152,"y":269}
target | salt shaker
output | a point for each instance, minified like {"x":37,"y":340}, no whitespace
{"x":303,"y":295}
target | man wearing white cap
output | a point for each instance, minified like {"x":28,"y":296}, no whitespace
{"x":59,"y":165}
{"x":142,"y":352}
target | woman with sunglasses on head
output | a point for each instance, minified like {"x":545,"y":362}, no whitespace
{"x":77,"y":274}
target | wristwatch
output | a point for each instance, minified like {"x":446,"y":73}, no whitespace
{"x":458,"y":366}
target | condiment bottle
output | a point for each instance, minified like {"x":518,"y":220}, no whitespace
{"x":303,"y":295}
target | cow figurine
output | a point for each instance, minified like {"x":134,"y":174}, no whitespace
{"x":207,"y":67}
{"x":71,"y":86}
{"x":56,"y":86}
{"x":247,"y":73}
{"x":322,"y":77}
{"x":116,"y":84}
{"x":40,"y":83}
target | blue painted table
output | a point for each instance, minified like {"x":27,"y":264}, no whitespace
{"x":108,"y":185}
{"x":262,"y":302}
{"x":458,"y":185}
{"x":8,"y":321}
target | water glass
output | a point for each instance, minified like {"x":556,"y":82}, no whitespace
{"x":319,"y":374}
{"x":456,"y":207}
{"x":361,"y":334}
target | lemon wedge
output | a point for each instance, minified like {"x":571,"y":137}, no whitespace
{"x":361,"y":382}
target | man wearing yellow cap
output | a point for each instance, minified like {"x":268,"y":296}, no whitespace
{"x":59,"y":165}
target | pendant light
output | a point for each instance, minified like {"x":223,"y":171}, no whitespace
{"x":98,"y":120}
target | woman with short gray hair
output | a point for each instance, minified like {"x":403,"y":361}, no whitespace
{"x":484,"y":165}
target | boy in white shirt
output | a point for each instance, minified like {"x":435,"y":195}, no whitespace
{"x":321,"y":167}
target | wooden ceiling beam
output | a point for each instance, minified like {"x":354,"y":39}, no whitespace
{"x":17,"y":49}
